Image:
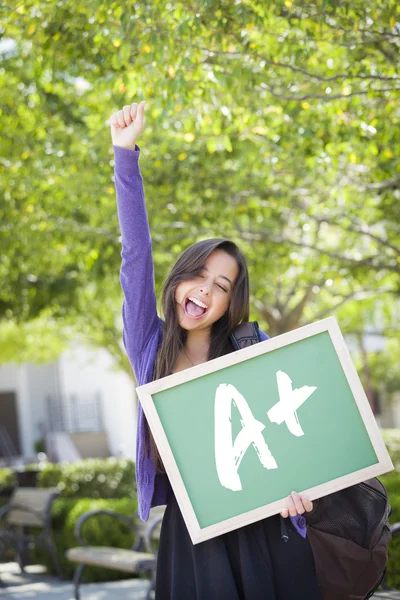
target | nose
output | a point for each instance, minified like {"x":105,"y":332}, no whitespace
{"x":205,"y":288}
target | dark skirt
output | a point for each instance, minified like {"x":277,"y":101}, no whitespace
{"x":251,"y":563}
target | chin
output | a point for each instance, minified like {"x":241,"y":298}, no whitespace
{"x":188,"y":325}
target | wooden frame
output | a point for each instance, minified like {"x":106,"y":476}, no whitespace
{"x":145,"y":393}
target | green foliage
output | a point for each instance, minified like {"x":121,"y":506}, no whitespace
{"x":102,"y":530}
{"x":384,"y":367}
{"x":39,"y":446}
{"x":274,"y":124}
{"x":7,"y":478}
{"x":392,"y":440}
{"x":91,"y":478}
{"x":121,"y":497}
{"x":392,"y":483}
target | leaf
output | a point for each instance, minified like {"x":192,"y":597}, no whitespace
{"x":227,"y":143}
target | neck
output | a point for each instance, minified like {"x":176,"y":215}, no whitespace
{"x":198,"y":344}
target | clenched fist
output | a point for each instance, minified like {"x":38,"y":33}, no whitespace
{"x":127,"y":125}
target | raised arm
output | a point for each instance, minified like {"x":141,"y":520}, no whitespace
{"x":139,"y":312}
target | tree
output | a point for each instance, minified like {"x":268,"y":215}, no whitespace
{"x":276,"y":126}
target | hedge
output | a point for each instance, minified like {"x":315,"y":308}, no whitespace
{"x":114,"y":481}
{"x":90,"y":478}
{"x":7,"y":478}
{"x":392,"y":483}
{"x":100,"y":531}
{"x":87,"y":484}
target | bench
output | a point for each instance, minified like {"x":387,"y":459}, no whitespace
{"x":29,"y":508}
{"x":140,"y":559}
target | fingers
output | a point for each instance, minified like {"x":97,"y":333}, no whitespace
{"x":128,"y":115}
{"x":140,"y":110}
{"x":133,"y":110}
{"x":117,"y":119}
{"x":296,"y":504}
{"x":139,"y":116}
{"x":307,"y":503}
{"x":113,"y":120}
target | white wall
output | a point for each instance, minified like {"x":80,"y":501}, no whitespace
{"x":82,"y":372}
{"x":86,"y":372}
{"x":42,"y":383}
{"x":8,"y":378}
{"x":395,"y":405}
{"x":31,"y":384}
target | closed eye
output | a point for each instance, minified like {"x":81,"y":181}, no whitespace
{"x":221,"y":287}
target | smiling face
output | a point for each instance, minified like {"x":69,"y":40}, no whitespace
{"x":203,"y":299}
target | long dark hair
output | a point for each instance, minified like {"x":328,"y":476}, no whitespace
{"x":188,"y":265}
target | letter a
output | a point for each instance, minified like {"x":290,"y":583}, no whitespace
{"x":228,"y":455}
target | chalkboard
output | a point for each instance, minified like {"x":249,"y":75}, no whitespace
{"x":239,"y":433}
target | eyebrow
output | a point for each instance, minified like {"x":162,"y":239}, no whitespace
{"x":222,"y":277}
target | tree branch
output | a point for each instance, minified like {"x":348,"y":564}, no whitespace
{"x":325,"y":97}
{"x":394,"y":182}
{"x":295,"y":69}
{"x":334,"y":221}
{"x":367,"y":261}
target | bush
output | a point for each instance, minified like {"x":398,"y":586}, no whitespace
{"x":114,"y":481}
{"x":392,"y":483}
{"x":99,"y":531}
{"x":39,"y":446}
{"x":88,"y":484}
{"x":392,"y":441}
{"x":90,"y":478}
{"x":7,"y":478}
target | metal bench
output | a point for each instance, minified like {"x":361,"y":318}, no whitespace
{"x":29,"y":508}
{"x":140,"y":559}
{"x":137,"y":561}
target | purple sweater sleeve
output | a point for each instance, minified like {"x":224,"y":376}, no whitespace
{"x":137,"y":273}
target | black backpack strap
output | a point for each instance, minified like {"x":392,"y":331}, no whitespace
{"x":244,"y":335}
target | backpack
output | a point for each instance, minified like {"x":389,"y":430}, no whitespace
{"x":348,"y":531}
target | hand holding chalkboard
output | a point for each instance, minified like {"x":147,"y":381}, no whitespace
{"x":297,"y":504}
{"x":127,"y":125}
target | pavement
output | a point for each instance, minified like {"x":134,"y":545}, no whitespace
{"x":37,"y":584}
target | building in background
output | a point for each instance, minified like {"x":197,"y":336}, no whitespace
{"x":81,"y":397}
{"x":91,"y":407}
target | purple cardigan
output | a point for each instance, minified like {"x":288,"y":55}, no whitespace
{"x":142,"y":327}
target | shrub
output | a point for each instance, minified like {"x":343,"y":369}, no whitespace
{"x":90,"y":478}
{"x":39,"y":446}
{"x":114,"y":481}
{"x":392,"y":483}
{"x":99,"y":531}
{"x":7,"y":478}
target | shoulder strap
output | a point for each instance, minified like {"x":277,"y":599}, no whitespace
{"x":244,"y":335}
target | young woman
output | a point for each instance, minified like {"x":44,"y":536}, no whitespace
{"x":205,"y":297}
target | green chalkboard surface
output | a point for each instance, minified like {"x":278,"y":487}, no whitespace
{"x":239,"y":433}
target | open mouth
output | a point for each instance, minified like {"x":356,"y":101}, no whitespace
{"x":194,"y":308}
